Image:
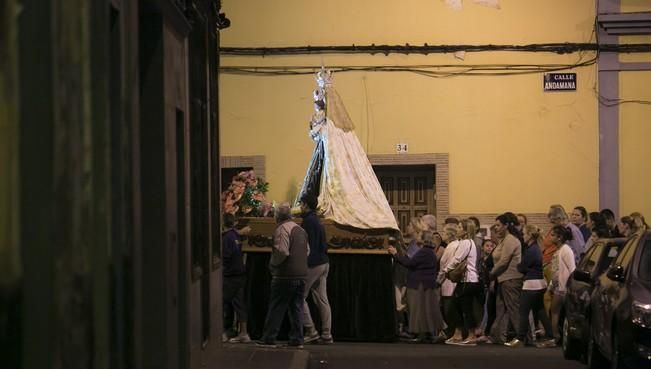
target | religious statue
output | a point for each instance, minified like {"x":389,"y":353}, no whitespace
{"x":340,"y":173}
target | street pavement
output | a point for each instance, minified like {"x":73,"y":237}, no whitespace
{"x":417,"y":356}
{"x":347,"y":355}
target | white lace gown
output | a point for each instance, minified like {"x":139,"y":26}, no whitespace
{"x":349,"y":192}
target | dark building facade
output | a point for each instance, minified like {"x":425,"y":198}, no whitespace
{"x":109,"y":197}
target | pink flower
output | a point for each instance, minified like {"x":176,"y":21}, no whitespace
{"x":258,"y":196}
{"x":238,"y":188}
{"x":230,"y":208}
{"x":243,"y":193}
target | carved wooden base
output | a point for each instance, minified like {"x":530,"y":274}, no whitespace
{"x":339,"y":237}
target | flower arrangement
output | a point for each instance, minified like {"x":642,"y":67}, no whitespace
{"x":245,"y":196}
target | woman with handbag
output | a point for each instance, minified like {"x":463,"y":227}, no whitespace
{"x":462,"y":269}
{"x":449,"y":308}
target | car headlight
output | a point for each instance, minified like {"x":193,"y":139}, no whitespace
{"x":641,"y":314}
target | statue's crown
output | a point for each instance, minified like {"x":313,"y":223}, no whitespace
{"x":323,"y":77}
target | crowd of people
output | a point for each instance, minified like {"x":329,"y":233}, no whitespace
{"x":461,"y":285}
{"x":505,"y":286}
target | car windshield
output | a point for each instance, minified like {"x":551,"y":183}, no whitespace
{"x":645,"y":262}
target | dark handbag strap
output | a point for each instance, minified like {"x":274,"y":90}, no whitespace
{"x":464,"y":259}
{"x":469,"y":250}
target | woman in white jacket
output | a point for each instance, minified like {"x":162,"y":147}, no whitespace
{"x":562,"y":267}
{"x":468,"y":288}
{"x":450,"y":315}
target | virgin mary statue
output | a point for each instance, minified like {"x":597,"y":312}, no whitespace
{"x":339,"y":172}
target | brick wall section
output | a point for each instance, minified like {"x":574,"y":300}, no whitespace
{"x":257,"y":162}
{"x":442,"y":182}
{"x":441,"y":175}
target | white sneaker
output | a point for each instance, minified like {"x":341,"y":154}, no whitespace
{"x":314,"y":336}
{"x":548,"y":343}
{"x":240,"y":339}
{"x":515,"y":343}
{"x":483,"y":339}
{"x":468,"y":342}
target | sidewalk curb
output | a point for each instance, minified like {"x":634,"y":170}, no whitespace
{"x":300,"y":360}
{"x":249,"y":356}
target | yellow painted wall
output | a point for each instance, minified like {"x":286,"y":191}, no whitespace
{"x":511,"y":146}
{"x":635,"y":147}
{"x":630,"y":6}
{"x":635,"y":125}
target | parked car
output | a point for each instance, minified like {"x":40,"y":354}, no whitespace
{"x":621,"y":309}
{"x":576,"y":327}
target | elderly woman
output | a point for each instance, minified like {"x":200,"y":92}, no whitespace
{"x":425,"y":320}
{"x":428,"y":222}
{"x":413,"y":234}
{"x":413,"y":240}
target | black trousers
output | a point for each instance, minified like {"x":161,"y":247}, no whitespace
{"x":533,"y":301}
{"x":465,"y":294}
{"x":451,"y":314}
{"x":491,"y":308}
{"x":234,"y":301}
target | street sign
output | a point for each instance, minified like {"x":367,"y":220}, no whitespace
{"x":559,"y":82}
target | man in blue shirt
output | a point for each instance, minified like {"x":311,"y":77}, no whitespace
{"x":317,"y":274}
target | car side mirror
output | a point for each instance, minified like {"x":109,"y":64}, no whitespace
{"x":616,"y":273}
{"x":582,"y":276}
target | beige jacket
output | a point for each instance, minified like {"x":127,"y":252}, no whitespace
{"x":506,"y":257}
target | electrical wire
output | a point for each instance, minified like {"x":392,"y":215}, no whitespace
{"x":608,"y":102}
{"x":433,"y":70}
{"x":425,"y":49}
{"x":437,"y":70}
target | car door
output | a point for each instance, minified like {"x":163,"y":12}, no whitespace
{"x":610,"y":293}
{"x":578,"y":292}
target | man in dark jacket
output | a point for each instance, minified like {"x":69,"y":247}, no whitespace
{"x":234,"y":282}
{"x":317,"y":273}
{"x":288,"y":266}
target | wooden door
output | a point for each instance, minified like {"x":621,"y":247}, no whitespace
{"x":409,"y":189}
